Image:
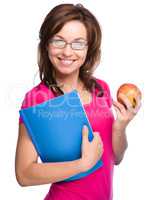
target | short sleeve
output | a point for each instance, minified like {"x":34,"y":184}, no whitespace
{"x":33,"y":97}
{"x":25,"y":104}
{"x":36,"y":95}
{"x":107,"y":93}
{"x":22,"y":106}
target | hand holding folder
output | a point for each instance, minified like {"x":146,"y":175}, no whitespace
{"x":55,"y":128}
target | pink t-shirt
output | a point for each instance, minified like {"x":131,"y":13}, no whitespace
{"x":98,"y":185}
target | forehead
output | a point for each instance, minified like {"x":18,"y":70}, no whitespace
{"x":72,"y":30}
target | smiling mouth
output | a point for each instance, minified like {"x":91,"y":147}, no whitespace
{"x":66,"y":61}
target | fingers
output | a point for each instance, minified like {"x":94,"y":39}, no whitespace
{"x":138,"y":104}
{"x":96,"y":135}
{"x":119,"y":107}
{"x":98,"y":141}
{"x":126,"y":101}
{"x":85,"y":133}
{"x":127,"y":104}
{"x":97,"y":138}
{"x":117,"y":110}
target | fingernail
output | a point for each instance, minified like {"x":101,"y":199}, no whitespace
{"x":84,"y":127}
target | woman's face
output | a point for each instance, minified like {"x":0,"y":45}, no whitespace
{"x":66,"y":59}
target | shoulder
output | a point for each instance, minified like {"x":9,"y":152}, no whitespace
{"x":36,"y":95}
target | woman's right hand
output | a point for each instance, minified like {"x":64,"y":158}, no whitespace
{"x":91,"y":151}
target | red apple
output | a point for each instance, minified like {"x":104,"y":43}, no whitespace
{"x":131,"y":91}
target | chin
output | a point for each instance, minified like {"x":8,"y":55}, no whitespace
{"x":66,"y":70}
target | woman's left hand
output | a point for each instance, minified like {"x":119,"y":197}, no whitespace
{"x":124,"y":113}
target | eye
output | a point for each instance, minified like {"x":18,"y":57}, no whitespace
{"x":58,"y":43}
{"x":78,"y":45}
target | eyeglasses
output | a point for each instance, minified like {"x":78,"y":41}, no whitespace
{"x":75,"y":45}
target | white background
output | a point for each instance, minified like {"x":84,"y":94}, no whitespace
{"x":125,"y":49}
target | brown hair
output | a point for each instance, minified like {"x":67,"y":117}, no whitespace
{"x":53,"y":23}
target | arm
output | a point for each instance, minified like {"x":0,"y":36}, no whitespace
{"x":119,"y":143}
{"x":124,"y":115}
{"x":29,"y":172}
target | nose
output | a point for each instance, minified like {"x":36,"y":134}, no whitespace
{"x":67,"y":51}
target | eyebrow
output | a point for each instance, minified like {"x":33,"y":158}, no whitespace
{"x":79,"y":38}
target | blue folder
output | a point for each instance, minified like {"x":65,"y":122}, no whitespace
{"x":55,"y":128}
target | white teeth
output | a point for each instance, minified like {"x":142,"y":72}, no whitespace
{"x":66,"y":62}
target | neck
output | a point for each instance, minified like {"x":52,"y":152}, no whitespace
{"x":70,"y":82}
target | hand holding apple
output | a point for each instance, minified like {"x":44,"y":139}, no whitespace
{"x":127,"y":105}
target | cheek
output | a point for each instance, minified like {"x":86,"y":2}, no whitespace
{"x":52,"y":52}
{"x":83,"y":56}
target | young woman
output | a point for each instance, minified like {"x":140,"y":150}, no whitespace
{"x":69,"y":51}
